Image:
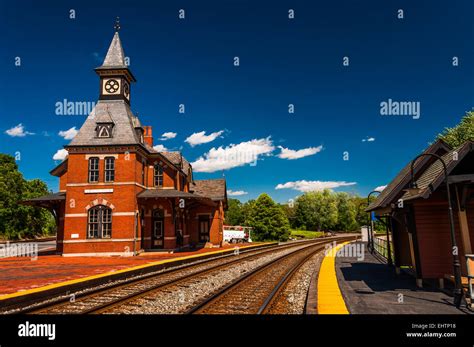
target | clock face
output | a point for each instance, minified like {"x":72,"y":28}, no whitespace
{"x":126,"y":90}
{"x":112,"y":86}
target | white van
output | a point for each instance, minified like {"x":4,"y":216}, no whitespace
{"x":237,"y":234}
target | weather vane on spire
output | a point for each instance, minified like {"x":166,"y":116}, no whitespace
{"x":117,"y":24}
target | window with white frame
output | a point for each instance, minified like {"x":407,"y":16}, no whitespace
{"x":158,"y":175}
{"x":94,"y":169}
{"x":99,"y":222}
{"x":109,"y":169}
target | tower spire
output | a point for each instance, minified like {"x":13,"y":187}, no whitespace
{"x":115,"y":56}
{"x":114,"y":73}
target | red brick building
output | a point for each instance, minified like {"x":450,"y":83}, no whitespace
{"x":117,"y":195}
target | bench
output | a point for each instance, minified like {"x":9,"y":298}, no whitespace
{"x":464,"y":280}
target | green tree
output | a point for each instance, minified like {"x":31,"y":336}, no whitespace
{"x":16,"y":220}
{"x":234,"y":215}
{"x":316,"y":211}
{"x":268,"y":220}
{"x":304,"y":210}
{"x":39,"y":221}
{"x":361,"y":216}
{"x":461,"y":133}
{"x":289,"y":210}
{"x":346,"y":212}
{"x":247,"y":209}
{"x":11,"y":187}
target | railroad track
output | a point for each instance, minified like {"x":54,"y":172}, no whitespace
{"x":113,"y":298}
{"x":259,"y":290}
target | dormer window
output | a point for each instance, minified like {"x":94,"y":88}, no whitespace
{"x":139,"y":132}
{"x":104,"y":130}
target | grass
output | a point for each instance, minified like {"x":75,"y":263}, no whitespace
{"x":305,"y":234}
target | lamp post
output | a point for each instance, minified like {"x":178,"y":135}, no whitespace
{"x":389,"y":248}
{"x":456,"y":264}
{"x":371,"y":223}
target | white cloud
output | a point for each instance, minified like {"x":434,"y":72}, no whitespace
{"x":168,"y":136}
{"x":236,"y":193}
{"x":201,"y":137}
{"x":291,"y":154}
{"x":380,"y":188}
{"x":308,"y":186}
{"x":160,"y":148}
{"x":18,"y":131}
{"x":68,"y":134}
{"x":233,"y":156}
{"x":368,"y":139}
{"x":61,"y":154}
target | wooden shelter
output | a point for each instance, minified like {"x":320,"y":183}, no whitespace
{"x":419,"y":219}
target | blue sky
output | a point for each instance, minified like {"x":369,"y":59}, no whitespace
{"x":282,"y":61}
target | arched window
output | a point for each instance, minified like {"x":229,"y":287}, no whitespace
{"x":99,"y":222}
{"x":158,"y":175}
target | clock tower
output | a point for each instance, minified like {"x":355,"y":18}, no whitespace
{"x":115,"y":76}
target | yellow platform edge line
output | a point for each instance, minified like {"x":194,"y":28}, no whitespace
{"x":330,"y":300}
{"x":109,"y":273}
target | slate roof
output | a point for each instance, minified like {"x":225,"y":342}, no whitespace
{"x":136,"y":122}
{"x":177,"y":159}
{"x":166,"y":193}
{"x":49,"y":197}
{"x":433,"y":176}
{"x":46,"y":200}
{"x":123,"y":132}
{"x":115,"y":57}
{"x":119,"y":113}
{"x":60,"y":168}
{"x":395,"y":188}
{"x":214,"y":189}
{"x":103,"y":116}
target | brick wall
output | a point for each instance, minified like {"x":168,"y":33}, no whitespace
{"x":122,"y":201}
{"x":82,"y":195}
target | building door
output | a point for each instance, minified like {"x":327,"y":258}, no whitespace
{"x":158,"y":230}
{"x":204,"y":229}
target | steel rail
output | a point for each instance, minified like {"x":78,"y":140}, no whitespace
{"x":248,"y":254}
{"x":272,"y":297}
{"x":203,"y":305}
{"x":107,"y":307}
{"x":38,"y":309}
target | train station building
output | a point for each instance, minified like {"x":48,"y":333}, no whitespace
{"x":117,"y":194}
{"x":417,"y":212}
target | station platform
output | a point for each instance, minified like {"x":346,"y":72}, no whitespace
{"x":370,"y":286}
{"x":20,"y":275}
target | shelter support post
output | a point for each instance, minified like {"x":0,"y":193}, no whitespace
{"x":463,"y":223}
